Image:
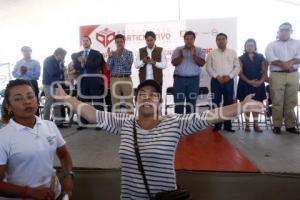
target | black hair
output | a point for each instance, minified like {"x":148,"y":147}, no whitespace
{"x":150,"y":34}
{"x":120,"y":36}
{"x":221,"y":34}
{"x":88,"y":37}
{"x":5,"y":115}
{"x":189,"y":33}
{"x":250,"y":40}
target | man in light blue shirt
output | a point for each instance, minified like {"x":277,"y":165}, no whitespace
{"x":28,"y":69}
{"x":187,"y":60}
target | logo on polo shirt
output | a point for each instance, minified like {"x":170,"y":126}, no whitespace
{"x":51,"y":140}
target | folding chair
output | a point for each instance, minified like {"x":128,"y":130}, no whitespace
{"x":168,"y":105}
{"x":268,"y":112}
{"x":204,"y":98}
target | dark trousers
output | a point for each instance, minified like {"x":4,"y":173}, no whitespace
{"x":35,"y":86}
{"x":227,"y":90}
{"x":185,"y":89}
{"x":108,"y":101}
{"x":91,"y":89}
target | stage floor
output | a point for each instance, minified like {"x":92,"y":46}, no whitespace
{"x":238,"y":152}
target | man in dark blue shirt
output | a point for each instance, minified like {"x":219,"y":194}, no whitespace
{"x":53,"y":71}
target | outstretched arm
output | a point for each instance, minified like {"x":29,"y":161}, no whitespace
{"x":83,"y":109}
{"x":228,"y":112}
{"x":192,"y":123}
{"x":110,"y":122}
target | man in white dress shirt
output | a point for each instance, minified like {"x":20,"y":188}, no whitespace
{"x":151,"y":60}
{"x":283,"y":56}
{"x":223,"y":66}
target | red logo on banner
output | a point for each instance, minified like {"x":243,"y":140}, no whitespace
{"x":105,"y":37}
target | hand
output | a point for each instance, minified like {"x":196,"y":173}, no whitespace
{"x":226,"y":78}
{"x":288,"y":66}
{"x":181,"y":53}
{"x":193,"y":51}
{"x":109,"y":52}
{"x":60,"y":94}
{"x":250,"y":105}
{"x":82,"y":60}
{"x":23,"y":70}
{"x":220,"y":79}
{"x":152,"y":62}
{"x":41,"y":193}
{"x":257,"y":83}
{"x":145,"y":60}
{"x":67,"y":187}
{"x":251,"y":82}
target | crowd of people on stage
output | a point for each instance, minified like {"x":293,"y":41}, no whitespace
{"x":29,"y":142}
{"x":103,"y":83}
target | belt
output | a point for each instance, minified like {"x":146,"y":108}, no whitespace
{"x":285,"y":71}
{"x":186,"y":76}
{"x":121,"y":75}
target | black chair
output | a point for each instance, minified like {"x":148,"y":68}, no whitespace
{"x":168,"y":105}
{"x":268,"y":112}
{"x":204,"y":98}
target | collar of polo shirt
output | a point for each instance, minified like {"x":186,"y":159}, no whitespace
{"x":20,"y":127}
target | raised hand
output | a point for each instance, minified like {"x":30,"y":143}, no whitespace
{"x":193,"y":51}
{"x":109,"y":52}
{"x":181,"y":53}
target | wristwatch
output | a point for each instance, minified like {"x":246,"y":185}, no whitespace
{"x":69,"y":173}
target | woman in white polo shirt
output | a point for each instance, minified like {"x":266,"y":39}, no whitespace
{"x":27,"y":148}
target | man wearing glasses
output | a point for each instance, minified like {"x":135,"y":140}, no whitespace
{"x":283,"y":56}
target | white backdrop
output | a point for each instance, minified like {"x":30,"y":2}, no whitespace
{"x":5,"y":74}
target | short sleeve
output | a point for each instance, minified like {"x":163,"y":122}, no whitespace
{"x":192,"y":123}
{"x":59,"y":138}
{"x":175,"y":53}
{"x":298,"y":49}
{"x":3,"y":152}
{"x":201,"y":53}
{"x":270,"y":54}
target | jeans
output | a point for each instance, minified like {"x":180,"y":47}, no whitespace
{"x":185,"y":89}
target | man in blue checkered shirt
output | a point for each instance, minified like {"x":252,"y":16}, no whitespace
{"x":119,"y":63}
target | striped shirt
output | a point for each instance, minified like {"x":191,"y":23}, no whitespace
{"x":157,"y":148}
